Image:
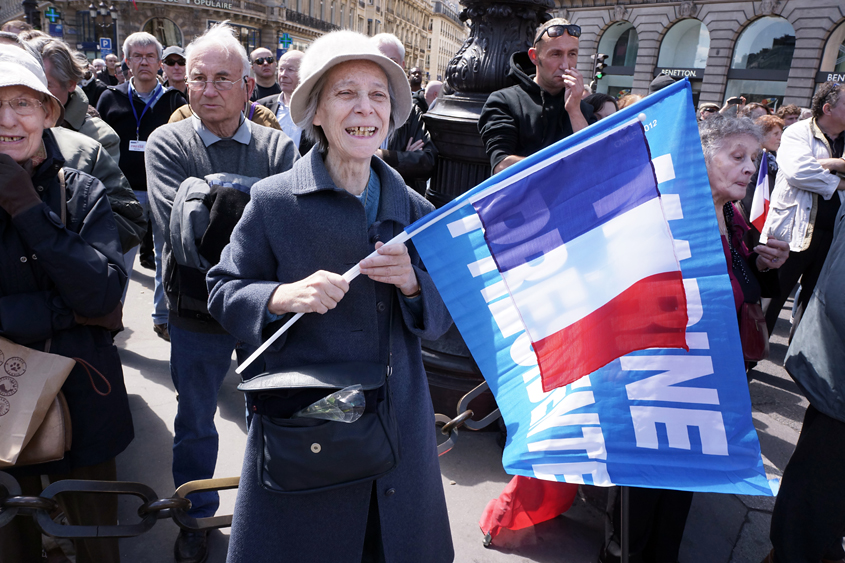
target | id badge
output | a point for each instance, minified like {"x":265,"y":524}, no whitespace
{"x":137,"y":146}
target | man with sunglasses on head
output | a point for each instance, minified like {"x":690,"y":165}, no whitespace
{"x":544,"y":106}
{"x":173,"y":67}
{"x":215,"y":156}
{"x":264,"y":68}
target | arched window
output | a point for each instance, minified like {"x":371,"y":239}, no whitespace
{"x":685,"y":45}
{"x":683,"y":53}
{"x":761,"y":61}
{"x":833,"y":59}
{"x":620,"y":42}
{"x":167,"y":32}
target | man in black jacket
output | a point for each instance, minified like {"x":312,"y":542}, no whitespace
{"x":409,"y":150}
{"x":135,"y":109}
{"x":543,"y":107}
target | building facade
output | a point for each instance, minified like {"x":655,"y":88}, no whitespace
{"x":291,"y":24}
{"x":408,"y":20}
{"x":447,"y":34}
{"x":771,"y":51}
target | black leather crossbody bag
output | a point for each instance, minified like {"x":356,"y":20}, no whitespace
{"x":309,"y":455}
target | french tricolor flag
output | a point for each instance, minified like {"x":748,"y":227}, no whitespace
{"x":760,"y":201}
{"x":588,"y":258}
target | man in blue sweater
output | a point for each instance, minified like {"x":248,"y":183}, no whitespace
{"x":217,"y":153}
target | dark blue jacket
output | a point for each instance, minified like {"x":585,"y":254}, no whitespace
{"x":50,"y":272}
{"x":297,"y":223}
{"x":115,"y":110}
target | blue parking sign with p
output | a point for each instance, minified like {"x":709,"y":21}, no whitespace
{"x":105,"y":46}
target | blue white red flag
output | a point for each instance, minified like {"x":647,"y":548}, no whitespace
{"x":587,"y":257}
{"x":760,"y":201}
{"x":663,"y":417}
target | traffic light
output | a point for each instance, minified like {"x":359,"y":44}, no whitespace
{"x":600,"y":65}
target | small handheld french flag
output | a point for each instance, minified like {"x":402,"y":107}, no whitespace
{"x":760,"y":203}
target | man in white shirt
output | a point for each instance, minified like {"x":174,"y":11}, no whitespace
{"x":279,"y":104}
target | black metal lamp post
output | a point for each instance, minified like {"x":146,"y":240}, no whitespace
{"x":101,"y":16}
{"x":30,"y":8}
{"x":498,"y":29}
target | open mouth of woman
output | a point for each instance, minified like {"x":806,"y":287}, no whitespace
{"x":361,"y":131}
{"x":8,"y":139}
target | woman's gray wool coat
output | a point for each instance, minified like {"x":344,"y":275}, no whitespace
{"x":297,"y":223}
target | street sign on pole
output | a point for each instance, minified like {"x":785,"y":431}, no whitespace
{"x":105,"y":46}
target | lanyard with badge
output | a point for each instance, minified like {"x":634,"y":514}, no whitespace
{"x":138,"y":145}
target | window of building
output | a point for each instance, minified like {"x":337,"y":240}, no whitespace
{"x":833,"y":59}
{"x":88,"y":35}
{"x":685,"y":45}
{"x":249,"y":37}
{"x":761,"y":61}
{"x":167,"y":32}
{"x":620,"y":42}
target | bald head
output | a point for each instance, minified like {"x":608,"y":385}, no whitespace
{"x":289,"y":72}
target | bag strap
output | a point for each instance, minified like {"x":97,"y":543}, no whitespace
{"x":85,"y":365}
{"x":62,"y":196}
{"x":252,"y":110}
{"x":63,"y":214}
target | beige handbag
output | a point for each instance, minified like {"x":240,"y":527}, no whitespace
{"x":34,"y":418}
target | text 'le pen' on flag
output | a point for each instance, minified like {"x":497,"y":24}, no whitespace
{"x":760,"y":201}
{"x":587,"y":256}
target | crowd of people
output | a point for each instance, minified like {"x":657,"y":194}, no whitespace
{"x":247,"y":183}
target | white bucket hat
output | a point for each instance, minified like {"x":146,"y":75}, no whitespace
{"x":339,"y":47}
{"x":19,"y":68}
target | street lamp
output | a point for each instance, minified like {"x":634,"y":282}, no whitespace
{"x":30,"y":8}
{"x":100,"y":13}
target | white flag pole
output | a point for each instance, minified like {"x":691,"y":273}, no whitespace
{"x":402,"y":237}
{"x":350,"y":275}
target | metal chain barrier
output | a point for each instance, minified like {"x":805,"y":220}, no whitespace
{"x":464,"y":418}
{"x":43,"y":508}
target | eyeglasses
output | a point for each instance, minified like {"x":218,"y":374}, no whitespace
{"x":171,"y":62}
{"x":264,"y":60}
{"x":138,"y":57}
{"x":219,"y":85}
{"x":23,"y":106}
{"x":709,"y":109}
{"x":557,"y":31}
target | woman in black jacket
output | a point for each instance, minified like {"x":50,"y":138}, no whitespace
{"x":60,"y":291}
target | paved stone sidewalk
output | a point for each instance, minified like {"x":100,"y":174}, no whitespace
{"x":720,"y":529}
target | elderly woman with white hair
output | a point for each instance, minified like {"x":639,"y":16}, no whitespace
{"x":299,"y":233}
{"x":61,"y":279}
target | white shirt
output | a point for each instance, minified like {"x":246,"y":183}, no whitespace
{"x":285,"y":120}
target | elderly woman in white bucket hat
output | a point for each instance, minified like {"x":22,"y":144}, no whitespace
{"x":299,"y":233}
{"x":61,"y":279}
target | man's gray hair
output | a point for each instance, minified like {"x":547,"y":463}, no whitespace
{"x":315,"y":132}
{"x":95,"y":61}
{"x":139,"y":39}
{"x":222,"y":37}
{"x":717,"y":130}
{"x":389,"y":39}
{"x":9,"y":38}
{"x":64,"y":65}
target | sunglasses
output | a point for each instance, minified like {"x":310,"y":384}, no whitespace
{"x":710,"y":109}
{"x":171,"y":62}
{"x":557,"y":30}
{"x":264,"y":60}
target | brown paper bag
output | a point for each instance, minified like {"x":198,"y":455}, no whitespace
{"x":29,"y":382}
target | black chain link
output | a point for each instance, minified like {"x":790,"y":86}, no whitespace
{"x":43,"y":507}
